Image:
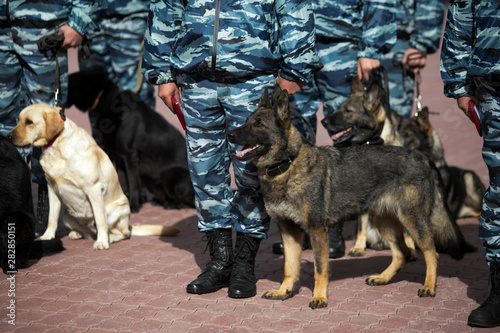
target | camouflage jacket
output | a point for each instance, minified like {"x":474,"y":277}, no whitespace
{"x":126,"y":7}
{"x":471,"y":46}
{"x":78,"y":14}
{"x":369,"y":23}
{"x":421,"y":23}
{"x":238,"y":38}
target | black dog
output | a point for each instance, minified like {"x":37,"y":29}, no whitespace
{"x":144,"y":147}
{"x":17,"y":218}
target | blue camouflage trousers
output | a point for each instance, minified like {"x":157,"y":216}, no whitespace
{"x":26,"y":77}
{"x":116,"y":50}
{"x":331,"y":85}
{"x":489,"y":223}
{"x":211,"y":110}
{"x":401,"y":84}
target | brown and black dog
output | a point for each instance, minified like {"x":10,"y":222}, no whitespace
{"x":306,"y":188}
{"x":364,"y":118}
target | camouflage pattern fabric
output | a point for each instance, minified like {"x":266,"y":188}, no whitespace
{"x":223,"y":55}
{"x":346,"y":30}
{"x":419,"y":25}
{"x":116,"y":49}
{"x":26,"y":75}
{"x":470,"y":66}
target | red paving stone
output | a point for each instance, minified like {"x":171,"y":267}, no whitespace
{"x":138,"y":285}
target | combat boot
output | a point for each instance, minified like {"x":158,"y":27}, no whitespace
{"x":488,"y":313}
{"x":243,"y":280}
{"x":217,"y":272}
{"x":336,"y":245}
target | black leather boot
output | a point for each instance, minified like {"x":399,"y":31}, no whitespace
{"x":217,"y":273}
{"x":336,"y":245}
{"x":42,"y":210}
{"x":243,"y":280}
{"x":488,"y":313}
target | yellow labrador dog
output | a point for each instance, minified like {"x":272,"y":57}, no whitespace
{"x":83,"y":183}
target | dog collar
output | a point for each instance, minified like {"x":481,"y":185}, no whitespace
{"x":279,"y":168}
{"x":96,"y":101}
{"x":377,"y":140}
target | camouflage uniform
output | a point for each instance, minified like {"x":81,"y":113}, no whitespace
{"x":470,"y":66}
{"x":419,"y":26}
{"x":116,"y":48}
{"x":222,"y":66}
{"x":26,"y":75}
{"x":345,"y":31}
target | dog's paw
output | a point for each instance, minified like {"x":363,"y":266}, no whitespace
{"x":277,"y":294}
{"x":74,"y":235}
{"x":376,"y":280}
{"x":100,"y":245}
{"x":426,"y":292}
{"x":356,"y":252}
{"x":46,"y":237}
{"x":318,"y":302}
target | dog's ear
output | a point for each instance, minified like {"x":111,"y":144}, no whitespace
{"x":53,"y":123}
{"x":356,"y":85}
{"x":264,"y":100}
{"x":283,"y":109}
{"x":372,"y":98}
{"x":423,"y":121}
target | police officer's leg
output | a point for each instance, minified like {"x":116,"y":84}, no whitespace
{"x":250,"y":218}
{"x":38,"y":80}
{"x":208,"y":159}
{"x":488,"y":313}
{"x":401,"y":83}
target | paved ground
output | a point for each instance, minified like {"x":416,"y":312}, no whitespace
{"x":138,"y":285}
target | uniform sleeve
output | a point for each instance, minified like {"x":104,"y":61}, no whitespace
{"x":379,"y":28}
{"x":83,"y":15}
{"x":457,"y":49}
{"x":165,"y":18}
{"x":428,"y":26}
{"x":297,"y":40}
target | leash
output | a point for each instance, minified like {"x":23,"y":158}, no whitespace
{"x":52,"y":43}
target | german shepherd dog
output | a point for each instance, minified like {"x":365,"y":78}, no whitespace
{"x":463,"y":188}
{"x":364,"y":119}
{"x":306,"y":188}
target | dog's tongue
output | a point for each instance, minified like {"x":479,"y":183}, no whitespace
{"x":242,"y":152}
{"x":337,"y":135}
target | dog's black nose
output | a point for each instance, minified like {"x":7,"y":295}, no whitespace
{"x":10,"y":136}
{"x":230,"y":136}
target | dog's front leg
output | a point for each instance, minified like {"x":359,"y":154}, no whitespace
{"x":319,"y":243}
{"x":54,"y":210}
{"x":100,"y":217}
{"x":292,"y":238}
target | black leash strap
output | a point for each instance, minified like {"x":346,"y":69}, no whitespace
{"x":52,"y":43}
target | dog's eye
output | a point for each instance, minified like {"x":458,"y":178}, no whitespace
{"x":28,"y":122}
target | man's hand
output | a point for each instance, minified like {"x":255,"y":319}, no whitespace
{"x":166,"y":91}
{"x":413,"y":60}
{"x":71,"y":37}
{"x":366,"y":66}
{"x":291,"y":87}
{"x":463,"y":104}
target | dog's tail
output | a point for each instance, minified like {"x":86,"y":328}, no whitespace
{"x":153,"y":230}
{"x":447,"y":235}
